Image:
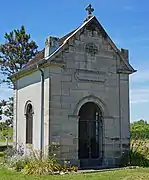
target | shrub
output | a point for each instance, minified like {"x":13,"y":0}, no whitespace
{"x":17,"y":162}
{"x":42,"y":166}
{"x":46,"y":165}
{"x":138,"y":154}
{"x":13,"y":151}
{"x":14,"y":158}
{"x":34,"y":163}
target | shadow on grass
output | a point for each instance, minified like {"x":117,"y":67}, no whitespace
{"x":3,"y":148}
{"x":1,"y":154}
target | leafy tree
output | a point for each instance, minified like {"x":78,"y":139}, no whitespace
{"x":6,"y":110}
{"x":139,"y":129}
{"x":16,"y":52}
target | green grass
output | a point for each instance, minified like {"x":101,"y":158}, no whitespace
{"x":3,"y":141}
{"x":125,"y":174}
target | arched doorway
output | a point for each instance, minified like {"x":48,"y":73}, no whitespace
{"x":90,"y":135}
{"x":29,"y":123}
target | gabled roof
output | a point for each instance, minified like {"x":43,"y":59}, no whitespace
{"x":38,"y":57}
{"x":64,"y":40}
{"x":40,"y":54}
{"x":93,"y":18}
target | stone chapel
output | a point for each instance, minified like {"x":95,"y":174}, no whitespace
{"x":75,"y":93}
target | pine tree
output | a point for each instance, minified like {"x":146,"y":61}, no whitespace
{"x":15,"y":53}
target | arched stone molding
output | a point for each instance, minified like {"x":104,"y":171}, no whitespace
{"x":95,"y":100}
{"x":26,"y":105}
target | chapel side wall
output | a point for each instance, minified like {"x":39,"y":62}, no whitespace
{"x":29,"y":89}
{"x":125,"y":116}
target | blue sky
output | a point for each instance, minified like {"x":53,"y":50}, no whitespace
{"x":125,"y":21}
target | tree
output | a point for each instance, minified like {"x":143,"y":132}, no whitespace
{"x":15,"y":53}
{"x":139,"y":129}
{"x":6,"y":111}
{"x":6,"y":114}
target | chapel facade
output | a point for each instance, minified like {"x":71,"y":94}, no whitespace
{"x":75,"y":93}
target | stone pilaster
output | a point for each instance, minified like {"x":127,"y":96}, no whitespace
{"x":111,"y":141}
{"x":15,"y":114}
{"x":46,"y":114}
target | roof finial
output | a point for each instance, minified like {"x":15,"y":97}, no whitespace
{"x":90,"y":9}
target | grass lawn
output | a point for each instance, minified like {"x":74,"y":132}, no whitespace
{"x":127,"y":174}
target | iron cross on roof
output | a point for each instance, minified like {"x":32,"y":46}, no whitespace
{"x":90,"y":9}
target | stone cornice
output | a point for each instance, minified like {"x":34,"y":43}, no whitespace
{"x":124,"y":71}
{"x":34,"y":69}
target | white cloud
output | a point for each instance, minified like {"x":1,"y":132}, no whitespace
{"x":139,"y":96}
{"x":140,"y":76}
{"x":128,"y":8}
{"x":139,"y":83}
{"x":139,"y":101}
